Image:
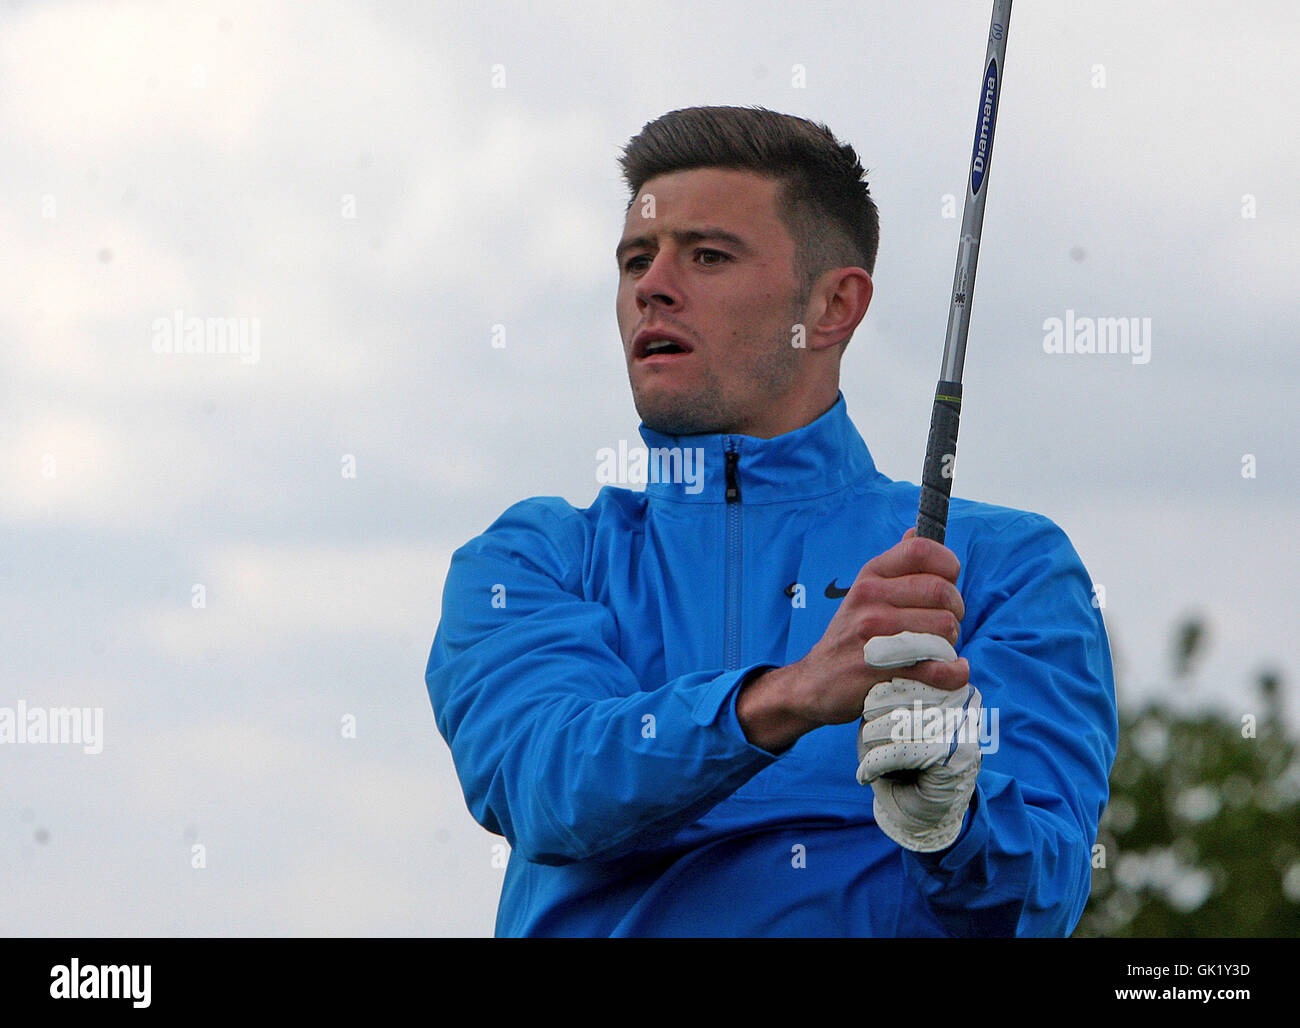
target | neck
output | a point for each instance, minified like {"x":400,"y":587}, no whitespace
{"x":794,"y":411}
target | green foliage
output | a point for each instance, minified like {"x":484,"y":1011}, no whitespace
{"x":1201,"y":838}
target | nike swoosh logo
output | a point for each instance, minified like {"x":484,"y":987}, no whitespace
{"x":834,"y":592}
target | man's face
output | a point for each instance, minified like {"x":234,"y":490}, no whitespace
{"x":713,"y":267}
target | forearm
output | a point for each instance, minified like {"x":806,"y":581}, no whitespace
{"x":565,"y":774}
{"x":1017,"y":868}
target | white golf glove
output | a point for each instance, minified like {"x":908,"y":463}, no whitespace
{"x":908,"y":725}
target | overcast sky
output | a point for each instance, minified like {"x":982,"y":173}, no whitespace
{"x":239,"y":560}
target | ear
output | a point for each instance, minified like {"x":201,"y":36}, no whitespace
{"x":838,"y":303}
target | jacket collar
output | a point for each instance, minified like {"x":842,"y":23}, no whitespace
{"x":822,"y":457}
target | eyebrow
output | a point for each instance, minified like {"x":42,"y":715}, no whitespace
{"x":685,"y":237}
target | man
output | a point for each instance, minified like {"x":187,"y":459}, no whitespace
{"x":658,"y":699}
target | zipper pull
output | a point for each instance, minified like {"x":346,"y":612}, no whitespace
{"x":733,"y":482}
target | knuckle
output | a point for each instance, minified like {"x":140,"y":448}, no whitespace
{"x":866,"y":588}
{"x":870,"y":625}
{"x":879,"y":622}
{"x":917,"y":549}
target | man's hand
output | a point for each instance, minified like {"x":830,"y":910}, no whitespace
{"x":908,"y":726}
{"x":911,"y":587}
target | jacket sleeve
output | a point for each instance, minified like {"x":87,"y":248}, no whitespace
{"x":556,"y":744}
{"x":1039,"y":655}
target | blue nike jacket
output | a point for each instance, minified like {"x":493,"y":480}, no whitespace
{"x":585,"y":672}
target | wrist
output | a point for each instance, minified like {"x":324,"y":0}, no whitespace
{"x":766,"y":712}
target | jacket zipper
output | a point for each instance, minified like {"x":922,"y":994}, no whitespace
{"x":732,"y":603}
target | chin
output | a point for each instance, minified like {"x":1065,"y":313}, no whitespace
{"x":679,"y":419}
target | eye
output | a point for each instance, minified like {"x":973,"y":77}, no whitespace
{"x":632,"y":263}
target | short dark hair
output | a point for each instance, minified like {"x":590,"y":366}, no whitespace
{"x":823,"y":199}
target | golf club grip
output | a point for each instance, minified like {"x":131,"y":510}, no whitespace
{"x":940,"y":456}
{"x":936,"y":488}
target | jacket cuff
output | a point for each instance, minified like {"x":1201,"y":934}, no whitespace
{"x":717,"y":703}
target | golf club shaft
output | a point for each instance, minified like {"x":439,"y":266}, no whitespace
{"x":941,"y":447}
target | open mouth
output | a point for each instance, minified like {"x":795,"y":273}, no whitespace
{"x":650,"y":344}
{"x":659,"y":347}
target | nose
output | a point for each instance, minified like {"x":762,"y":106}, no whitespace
{"x":658,"y":283}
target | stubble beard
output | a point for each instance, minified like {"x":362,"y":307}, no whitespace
{"x":707,"y":409}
